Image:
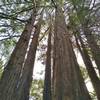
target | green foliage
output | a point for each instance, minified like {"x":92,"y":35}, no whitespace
{"x":1,"y":67}
{"x":2,"y":30}
{"x":74,"y":21}
{"x":14,"y":15}
{"x":84,"y":73}
{"x":7,"y":47}
{"x":37,"y":89}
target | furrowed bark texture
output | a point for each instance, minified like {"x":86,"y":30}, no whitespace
{"x":89,"y":66}
{"x":93,"y":46}
{"x":23,"y":90}
{"x":47,"y":81}
{"x":11,"y":74}
{"x":84,"y":93}
{"x":67,"y":79}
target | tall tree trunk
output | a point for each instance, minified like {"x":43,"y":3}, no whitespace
{"x":89,"y":66}
{"x":11,"y":72}
{"x":47,"y":81}
{"x":83,"y":89}
{"x":23,"y":89}
{"x":93,"y":46}
{"x":66,"y":83}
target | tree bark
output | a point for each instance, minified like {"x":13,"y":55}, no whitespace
{"x":47,"y":81}
{"x":82,"y":86}
{"x":93,"y":46}
{"x":9,"y":79}
{"x":89,"y":66}
{"x":67,"y":85}
{"x":23,"y":89}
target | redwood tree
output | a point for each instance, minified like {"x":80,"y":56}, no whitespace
{"x":89,"y":66}
{"x":47,"y":81}
{"x":22,"y":92}
{"x":67,"y":83}
{"x":11,"y":74}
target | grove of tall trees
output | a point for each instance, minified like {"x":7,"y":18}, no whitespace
{"x":52,"y":32}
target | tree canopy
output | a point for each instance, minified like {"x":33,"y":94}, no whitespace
{"x":54,"y":32}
